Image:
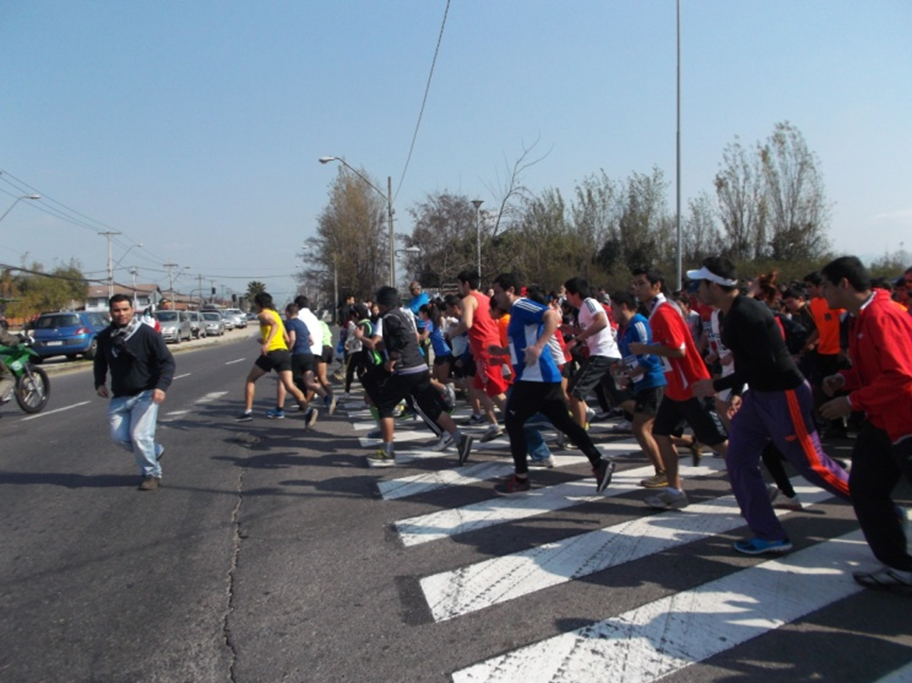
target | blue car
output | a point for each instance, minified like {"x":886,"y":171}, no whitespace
{"x":68,"y":333}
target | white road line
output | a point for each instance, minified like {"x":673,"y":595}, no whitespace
{"x":450,"y":522}
{"x":468,"y":589}
{"x":174,"y":413}
{"x":186,"y":374}
{"x":56,"y":410}
{"x":208,"y":398}
{"x":472,"y":474}
{"x":665,"y":636}
{"x":232,"y":362}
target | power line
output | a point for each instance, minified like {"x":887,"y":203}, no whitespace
{"x":427,"y":89}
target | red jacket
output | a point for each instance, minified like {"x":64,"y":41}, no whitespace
{"x":880,"y":379}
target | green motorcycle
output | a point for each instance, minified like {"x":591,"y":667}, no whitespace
{"x":32,"y":389}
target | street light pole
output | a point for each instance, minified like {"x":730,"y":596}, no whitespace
{"x":109,"y":235}
{"x":477,"y":204}
{"x":389,"y":209}
{"x":19,"y":199}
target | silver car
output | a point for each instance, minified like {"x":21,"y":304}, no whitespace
{"x":227,"y":319}
{"x":175,"y":326}
{"x":196,"y":324}
{"x":237,"y":317}
{"x":212,"y":322}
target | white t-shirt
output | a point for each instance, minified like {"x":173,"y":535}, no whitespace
{"x":306,"y":316}
{"x":603,"y":343}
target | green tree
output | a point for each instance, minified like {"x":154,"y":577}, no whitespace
{"x":255,"y":287}
{"x":62,"y":288}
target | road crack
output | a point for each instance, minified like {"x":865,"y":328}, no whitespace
{"x":235,"y":552}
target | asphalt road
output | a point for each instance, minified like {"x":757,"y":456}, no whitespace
{"x":273,"y":554}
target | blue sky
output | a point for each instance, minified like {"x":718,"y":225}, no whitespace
{"x":194,"y":128}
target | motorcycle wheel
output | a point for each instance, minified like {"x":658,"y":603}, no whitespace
{"x":33,"y":389}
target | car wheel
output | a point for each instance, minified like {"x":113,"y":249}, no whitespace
{"x":91,"y":351}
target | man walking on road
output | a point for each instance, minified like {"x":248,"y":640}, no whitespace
{"x":141,"y":368}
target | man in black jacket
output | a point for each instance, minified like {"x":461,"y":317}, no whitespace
{"x":141,"y":369}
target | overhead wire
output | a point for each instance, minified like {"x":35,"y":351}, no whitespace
{"x":427,"y":89}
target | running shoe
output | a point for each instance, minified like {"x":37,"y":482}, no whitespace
{"x":543,"y":464}
{"x":493,"y":432}
{"x":758,"y":546}
{"x":603,"y":472}
{"x":783,"y":502}
{"x":449,"y":396}
{"x":464,"y":447}
{"x":622,"y":427}
{"x":590,"y":415}
{"x":886,"y":579}
{"x":656,"y":481}
{"x":275,"y":414}
{"x":330,"y":403}
{"x":375,"y":433}
{"x":668,"y":500}
{"x":310,"y":417}
{"x":446,"y":440}
{"x":246,"y":416}
{"x":696,"y":452}
{"x":476,"y":419}
{"x":381,"y":459}
{"x":513,"y":487}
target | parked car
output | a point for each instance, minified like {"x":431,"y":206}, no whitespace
{"x":68,"y":333}
{"x":251,"y":317}
{"x":228,"y":319}
{"x":196,"y":324}
{"x":238,"y":317}
{"x":212,"y":321}
{"x":175,"y":326}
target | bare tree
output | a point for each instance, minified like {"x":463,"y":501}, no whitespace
{"x":351,"y":243}
{"x":798,"y":208}
{"x":740,"y":192}
{"x":644,"y":228}
{"x":445,"y":232}
{"x":700,"y":234}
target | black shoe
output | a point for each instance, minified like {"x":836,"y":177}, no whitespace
{"x":603,"y":473}
{"x":464,"y":448}
{"x":244,"y":417}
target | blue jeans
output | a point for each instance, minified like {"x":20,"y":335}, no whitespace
{"x":535,"y":442}
{"x":132,"y":420}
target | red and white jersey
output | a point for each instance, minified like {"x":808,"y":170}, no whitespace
{"x":670,"y":330}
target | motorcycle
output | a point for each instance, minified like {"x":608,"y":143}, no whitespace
{"x":32,"y":388}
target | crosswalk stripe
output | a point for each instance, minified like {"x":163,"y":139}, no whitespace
{"x":667,"y":635}
{"x":474,"y":587}
{"x":450,"y":522}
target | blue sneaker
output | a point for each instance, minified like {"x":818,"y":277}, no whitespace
{"x":757,"y":546}
{"x":275,"y":414}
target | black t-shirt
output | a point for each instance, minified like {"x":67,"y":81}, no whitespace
{"x":762,"y":360}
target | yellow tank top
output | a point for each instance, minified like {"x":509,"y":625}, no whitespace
{"x":278,"y":341}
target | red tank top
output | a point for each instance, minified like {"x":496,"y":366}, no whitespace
{"x":484,"y":331}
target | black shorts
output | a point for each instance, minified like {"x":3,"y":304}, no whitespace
{"x":593,"y":369}
{"x":326,"y":356}
{"x":278,"y":360}
{"x":440,"y":360}
{"x":301,"y":364}
{"x":705,"y":424}
{"x":418,"y":385}
{"x":647,"y":402}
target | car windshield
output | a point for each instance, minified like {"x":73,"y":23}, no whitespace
{"x":49,"y":322}
{"x":211,"y":316}
{"x":166,"y":316}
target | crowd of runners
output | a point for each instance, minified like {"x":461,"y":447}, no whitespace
{"x":750,"y":368}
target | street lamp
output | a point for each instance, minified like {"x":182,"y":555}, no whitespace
{"x":19,"y":199}
{"x":389,"y":207}
{"x":477,"y":204}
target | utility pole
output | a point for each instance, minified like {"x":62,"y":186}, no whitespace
{"x":477,"y":204}
{"x":169,"y":266}
{"x":134,"y":272}
{"x":109,"y":235}
{"x":201,"y":290}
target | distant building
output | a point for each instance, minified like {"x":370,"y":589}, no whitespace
{"x":143,"y":296}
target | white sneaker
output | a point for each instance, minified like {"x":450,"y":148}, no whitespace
{"x":546,"y":464}
{"x":668,"y":500}
{"x":446,"y":440}
{"x":493,"y":432}
{"x":623,"y":426}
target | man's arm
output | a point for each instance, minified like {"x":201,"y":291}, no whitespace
{"x":468,"y":317}
{"x":599,"y":323}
